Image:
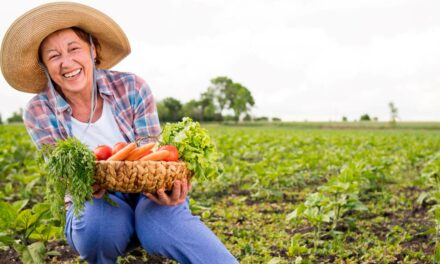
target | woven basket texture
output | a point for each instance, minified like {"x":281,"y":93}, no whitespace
{"x":139,"y":176}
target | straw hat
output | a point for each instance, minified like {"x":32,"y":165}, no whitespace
{"x":19,"y":50}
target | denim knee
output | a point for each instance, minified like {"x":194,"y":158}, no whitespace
{"x":172,"y":231}
{"x":151,"y":228}
{"x":102,"y":232}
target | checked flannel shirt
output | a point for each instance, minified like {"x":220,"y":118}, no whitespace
{"x":48,"y":118}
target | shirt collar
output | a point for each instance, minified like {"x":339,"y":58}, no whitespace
{"x":102,"y":83}
{"x":56,"y":100}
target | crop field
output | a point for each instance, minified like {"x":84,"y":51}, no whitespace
{"x":287,"y":194}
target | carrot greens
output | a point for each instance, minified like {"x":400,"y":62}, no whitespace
{"x":71,"y":167}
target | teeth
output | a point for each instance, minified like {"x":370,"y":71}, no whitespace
{"x":71,"y":74}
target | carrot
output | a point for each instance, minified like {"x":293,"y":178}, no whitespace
{"x":145,"y":154}
{"x":140,"y":151}
{"x":123,"y":153}
{"x":157,"y":155}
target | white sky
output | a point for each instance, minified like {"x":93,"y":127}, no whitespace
{"x":301,"y":59}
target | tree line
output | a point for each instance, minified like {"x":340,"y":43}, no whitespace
{"x":394,"y":115}
{"x":16,"y":117}
{"x":223,"y":96}
{"x":224,"y":100}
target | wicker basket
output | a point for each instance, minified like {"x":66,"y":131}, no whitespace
{"x":139,"y":176}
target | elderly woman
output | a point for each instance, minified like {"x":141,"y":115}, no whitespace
{"x":53,"y":51}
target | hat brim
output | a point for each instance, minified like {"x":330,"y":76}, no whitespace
{"x":19,"y":51}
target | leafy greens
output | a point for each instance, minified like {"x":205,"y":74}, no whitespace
{"x":195,"y":147}
{"x":71,"y":167}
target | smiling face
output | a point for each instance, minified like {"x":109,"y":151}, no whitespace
{"x":67,"y":59}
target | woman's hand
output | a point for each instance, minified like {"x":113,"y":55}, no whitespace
{"x":177,"y":196}
{"x":98,"y":192}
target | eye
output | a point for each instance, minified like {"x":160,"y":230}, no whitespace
{"x":53,"y":56}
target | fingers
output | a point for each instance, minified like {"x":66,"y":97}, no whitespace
{"x":184,"y":191}
{"x":180,"y":191}
{"x":177,"y":196}
{"x":98,"y":193}
{"x":160,"y":198}
{"x":152,"y":197}
{"x":177,"y":189}
{"x":163,"y":197}
{"x":95,"y":187}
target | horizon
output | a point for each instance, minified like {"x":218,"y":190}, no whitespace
{"x":315,"y":61}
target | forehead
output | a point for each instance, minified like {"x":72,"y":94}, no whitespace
{"x":60,"y":37}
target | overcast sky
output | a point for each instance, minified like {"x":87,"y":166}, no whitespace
{"x":301,"y":59}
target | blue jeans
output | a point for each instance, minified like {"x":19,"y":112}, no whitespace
{"x":103,"y":232}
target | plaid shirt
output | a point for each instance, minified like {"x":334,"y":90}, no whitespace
{"x":48,"y":118}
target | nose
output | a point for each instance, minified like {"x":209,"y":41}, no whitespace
{"x":66,"y":61}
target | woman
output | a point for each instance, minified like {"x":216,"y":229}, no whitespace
{"x":52,"y":50}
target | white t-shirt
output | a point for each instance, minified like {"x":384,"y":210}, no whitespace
{"x":104,"y":131}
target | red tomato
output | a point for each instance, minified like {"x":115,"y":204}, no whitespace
{"x":118,"y":146}
{"x":102,"y":152}
{"x":174,"y":153}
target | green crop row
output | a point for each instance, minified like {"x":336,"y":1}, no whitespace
{"x":285,"y":195}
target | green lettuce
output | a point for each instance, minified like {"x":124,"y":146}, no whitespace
{"x":195,"y":147}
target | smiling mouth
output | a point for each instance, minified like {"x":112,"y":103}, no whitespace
{"x":72,"y":74}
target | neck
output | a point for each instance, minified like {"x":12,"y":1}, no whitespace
{"x":81,"y":107}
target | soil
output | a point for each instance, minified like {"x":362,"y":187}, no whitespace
{"x":9,"y":256}
{"x":68,"y":256}
{"x":414,"y":219}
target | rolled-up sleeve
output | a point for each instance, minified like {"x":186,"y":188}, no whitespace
{"x":38,"y":123}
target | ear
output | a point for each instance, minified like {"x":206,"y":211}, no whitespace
{"x":92,"y":47}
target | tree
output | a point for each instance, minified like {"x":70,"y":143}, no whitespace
{"x":192,"y":110}
{"x":174,"y":106}
{"x":247,"y":118}
{"x":393,"y":112}
{"x":344,"y":119}
{"x":219,"y":87}
{"x":1,"y":119}
{"x":169,"y":110}
{"x":261,"y":119}
{"x":365,"y":117}
{"x":17,"y":117}
{"x":206,"y":102}
{"x":233,"y":96}
{"x":240,"y":100}
{"x":162,"y":111}
{"x":210,"y":114}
